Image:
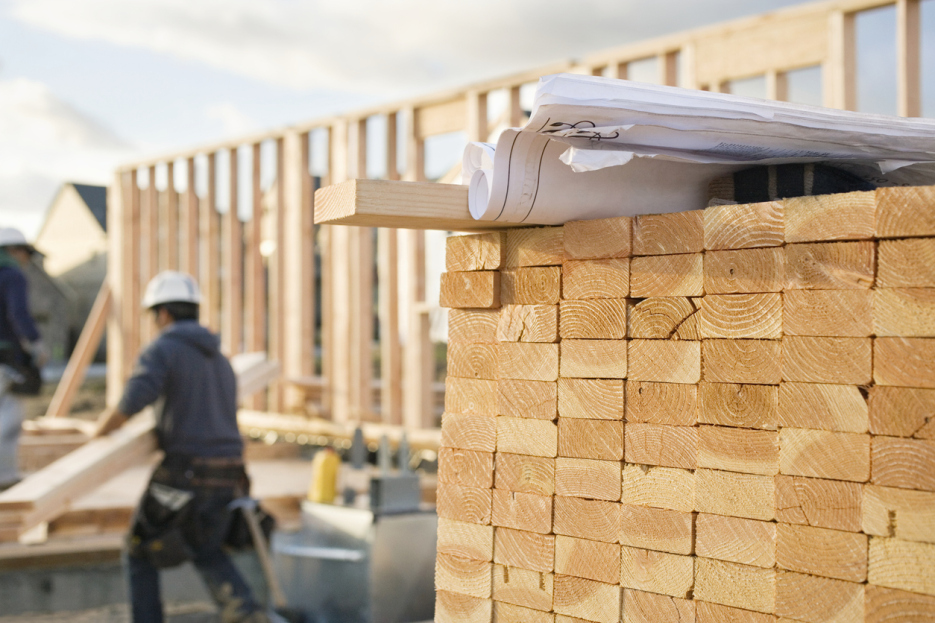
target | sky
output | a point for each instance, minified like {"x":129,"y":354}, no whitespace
{"x":88,"y":84}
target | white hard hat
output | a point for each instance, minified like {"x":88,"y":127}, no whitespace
{"x":171,"y":286}
{"x":12,"y":237}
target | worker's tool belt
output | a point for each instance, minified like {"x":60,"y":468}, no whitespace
{"x":159,"y":526}
{"x":184,"y":507}
{"x":188,"y":472}
{"x":25,"y":376}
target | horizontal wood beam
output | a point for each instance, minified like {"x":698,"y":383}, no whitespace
{"x":442,"y":118}
{"x":441,"y":97}
{"x":675,"y":41}
{"x":432,"y":99}
{"x":614,"y":56}
{"x":254,"y":372}
{"x":405,"y":205}
{"x":250,"y":421}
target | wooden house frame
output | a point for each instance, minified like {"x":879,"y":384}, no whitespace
{"x":268,"y":304}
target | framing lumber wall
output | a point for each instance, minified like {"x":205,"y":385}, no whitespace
{"x":721,"y":415}
{"x":167,"y":224}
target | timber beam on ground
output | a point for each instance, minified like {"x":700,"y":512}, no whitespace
{"x":97,"y":549}
{"x":259,"y":423}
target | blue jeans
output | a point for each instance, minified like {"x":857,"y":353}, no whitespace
{"x":11,"y":420}
{"x":219,"y":574}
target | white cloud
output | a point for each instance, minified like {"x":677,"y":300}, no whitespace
{"x":30,"y":112}
{"x":23,"y":195}
{"x":45,"y":141}
{"x":231,"y":119}
{"x":374,"y":44}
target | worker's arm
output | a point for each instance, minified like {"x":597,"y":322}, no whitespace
{"x":18,"y":316}
{"x":142,"y":389}
{"x":110,"y":420}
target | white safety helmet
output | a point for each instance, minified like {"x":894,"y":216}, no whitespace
{"x":171,"y":286}
{"x":12,"y":237}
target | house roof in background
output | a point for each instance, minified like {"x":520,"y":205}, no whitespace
{"x":96,"y":199}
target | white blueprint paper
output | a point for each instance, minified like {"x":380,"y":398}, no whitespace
{"x":597,"y":147}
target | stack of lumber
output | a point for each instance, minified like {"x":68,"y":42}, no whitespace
{"x":39,"y":450}
{"x":48,"y":493}
{"x":93,"y":528}
{"x":44,"y":440}
{"x":717,"y":416}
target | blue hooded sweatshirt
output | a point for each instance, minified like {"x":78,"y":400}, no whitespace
{"x":195,"y":391}
{"x":16,"y":325}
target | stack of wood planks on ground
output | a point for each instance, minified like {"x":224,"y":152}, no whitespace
{"x":49,"y":492}
{"x":724,"y":415}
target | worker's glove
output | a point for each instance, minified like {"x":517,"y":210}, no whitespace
{"x":40,"y":354}
{"x":108,"y":421}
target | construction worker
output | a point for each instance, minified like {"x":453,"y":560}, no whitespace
{"x":185,"y":511}
{"x":19,"y":344}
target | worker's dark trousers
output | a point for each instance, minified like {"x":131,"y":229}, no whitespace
{"x":224,"y":582}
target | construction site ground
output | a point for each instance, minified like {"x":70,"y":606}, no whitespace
{"x":75,"y":574}
{"x":201,"y":612}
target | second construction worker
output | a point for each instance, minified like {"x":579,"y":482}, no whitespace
{"x":185,"y":511}
{"x":19,"y":344}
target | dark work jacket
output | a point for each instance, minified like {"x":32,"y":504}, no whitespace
{"x":195,"y":391}
{"x":16,"y":324}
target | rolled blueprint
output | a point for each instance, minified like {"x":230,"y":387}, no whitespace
{"x":597,"y":147}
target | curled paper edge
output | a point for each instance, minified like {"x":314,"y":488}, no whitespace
{"x":479,"y":193}
{"x":888,"y":166}
{"x":476,"y":156}
{"x":582,"y":160}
